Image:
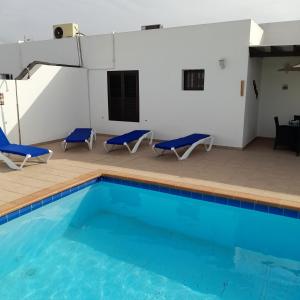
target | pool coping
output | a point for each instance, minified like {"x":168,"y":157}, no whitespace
{"x":36,"y":200}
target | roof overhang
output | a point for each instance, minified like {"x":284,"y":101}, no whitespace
{"x":274,"y":51}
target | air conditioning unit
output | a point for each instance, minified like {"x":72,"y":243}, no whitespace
{"x":65,"y":30}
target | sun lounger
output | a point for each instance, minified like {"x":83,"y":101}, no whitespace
{"x":136,"y":136}
{"x":6,"y":148}
{"x":191,"y":141}
{"x":80,"y":135}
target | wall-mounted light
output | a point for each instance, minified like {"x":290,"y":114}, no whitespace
{"x":222,"y":63}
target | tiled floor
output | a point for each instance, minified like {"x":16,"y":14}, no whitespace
{"x":257,"y":169}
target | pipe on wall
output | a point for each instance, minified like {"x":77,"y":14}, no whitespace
{"x":18,"y":112}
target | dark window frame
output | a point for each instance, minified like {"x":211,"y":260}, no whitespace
{"x":124,"y":115}
{"x":188,"y":76}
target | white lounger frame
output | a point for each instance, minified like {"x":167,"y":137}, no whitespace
{"x":5,"y":158}
{"x":89,"y":141}
{"x":148,"y":135}
{"x":207,"y":142}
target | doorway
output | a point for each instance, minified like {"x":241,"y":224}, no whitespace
{"x":123,"y":95}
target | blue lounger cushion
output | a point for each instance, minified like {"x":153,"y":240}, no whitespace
{"x":3,"y":139}
{"x":23,"y":150}
{"x":7,"y":147}
{"x":181,"y":142}
{"x":127,"y":137}
{"x":79,"y":135}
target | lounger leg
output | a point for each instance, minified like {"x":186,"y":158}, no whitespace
{"x":177,"y":155}
{"x":91,"y":140}
{"x":64,"y":145}
{"x":24,"y":161}
{"x":107,"y":148}
{"x":127,"y":146}
{"x":187,"y":153}
{"x":90,"y":146}
{"x":48,"y":157}
{"x":151,"y":137}
{"x":9,"y":162}
{"x":209,"y":145}
{"x":158,"y":152}
{"x":136,"y":146}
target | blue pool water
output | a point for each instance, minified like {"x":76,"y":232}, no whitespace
{"x":113,"y":241}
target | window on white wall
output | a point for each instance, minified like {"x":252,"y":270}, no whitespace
{"x":193,"y":80}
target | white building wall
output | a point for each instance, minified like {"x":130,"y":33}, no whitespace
{"x":10,"y":59}
{"x":281,"y":33}
{"x":98,"y":51}
{"x":256,"y":34}
{"x":275,"y":101}
{"x":60,"y":51}
{"x":160,"y":56}
{"x":8,"y":111}
{"x":15,"y":57}
{"x":252,"y":103}
{"x":51,"y":104}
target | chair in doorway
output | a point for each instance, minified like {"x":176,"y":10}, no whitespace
{"x":283,"y":135}
{"x":296,"y":117}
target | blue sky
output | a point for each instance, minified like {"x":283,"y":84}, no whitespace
{"x":34,"y":18}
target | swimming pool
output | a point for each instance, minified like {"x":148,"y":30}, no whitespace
{"x":120,"y":240}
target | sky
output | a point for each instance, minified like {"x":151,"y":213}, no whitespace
{"x":34,"y":18}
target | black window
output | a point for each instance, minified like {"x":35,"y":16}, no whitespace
{"x":123,"y":95}
{"x":193,"y":80}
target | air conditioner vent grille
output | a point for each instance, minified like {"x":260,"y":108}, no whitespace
{"x":151,"y":27}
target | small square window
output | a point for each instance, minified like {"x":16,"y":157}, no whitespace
{"x":193,"y":80}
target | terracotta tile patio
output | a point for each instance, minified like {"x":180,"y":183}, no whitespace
{"x":257,"y":170}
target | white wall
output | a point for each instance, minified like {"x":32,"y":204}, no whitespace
{"x":52,"y":103}
{"x":15,"y":57}
{"x":281,"y":33}
{"x":60,"y":51}
{"x":160,"y":56}
{"x":252,"y":103}
{"x":8,"y":112}
{"x":10,"y":59}
{"x":256,"y":34}
{"x":97,"y":51}
{"x":274,"y":101}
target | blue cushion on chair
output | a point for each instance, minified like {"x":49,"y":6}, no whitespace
{"x":127,"y":137}
{"x":3,"y":139}
{"x":181,"y":142}
{"x":23,"y":150}
{"x":79,"y":135}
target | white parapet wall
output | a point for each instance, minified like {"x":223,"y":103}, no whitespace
{"x":17,"y":56}
{"x":281,"y":33}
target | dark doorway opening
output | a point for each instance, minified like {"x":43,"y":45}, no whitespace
{"x":123,"y":95}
